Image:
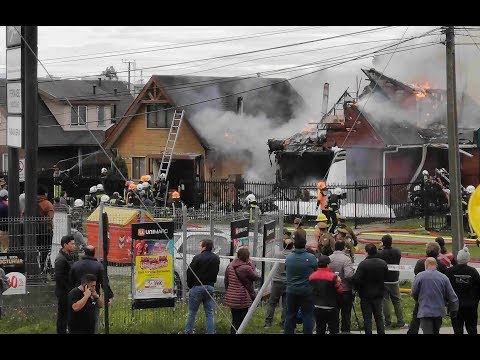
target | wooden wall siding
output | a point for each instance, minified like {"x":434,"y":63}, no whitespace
{"x":402,"y":164}
{"x":470,"y":168}
{"x":139,"y":141}
{"x":362,"y":135}
{"x":224,"y":167}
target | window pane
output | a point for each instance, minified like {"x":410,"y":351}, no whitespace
{"x":151,"y":116}
{"x":82,"y":115}
{"x":169,"y":116}
{"x":74,"y":116}
{"x":138,"y":167}
{"x":101,"y":115}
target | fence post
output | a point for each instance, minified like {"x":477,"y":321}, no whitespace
{"x":298,"y":202}
{"x":100,"y":229}
{"x":280,"y":222}
{"x":211,"y":224}
{"x":255,"y":231}
{"x":69,"y":224}
{"x":355,"y":204}
{"x":390,"y":198}
{"x":184,"y":253}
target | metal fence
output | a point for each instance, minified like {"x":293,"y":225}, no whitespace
{"x":365,"y":201}
{"x":39,"y":241}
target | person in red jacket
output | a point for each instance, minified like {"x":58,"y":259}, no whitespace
{"x":327,"y":292}
{"x":239,"y":277}
{"x":445,"y":256}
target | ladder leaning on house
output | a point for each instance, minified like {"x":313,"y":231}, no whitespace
{"x":170,"y":144}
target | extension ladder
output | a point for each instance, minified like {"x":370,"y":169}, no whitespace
{"x":170,"y":144}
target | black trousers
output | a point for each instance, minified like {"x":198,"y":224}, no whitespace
{"x":237,"y":317}
{"x":324,"y":318}
{"x":346,"y":310}
{"x":62,"y":315}
{"x":468,"y":316}
{"x":415,"y":323}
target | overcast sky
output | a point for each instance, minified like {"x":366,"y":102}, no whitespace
{"x":86,"y":51}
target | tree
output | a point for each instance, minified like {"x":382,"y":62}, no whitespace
{"x":110,"y":73}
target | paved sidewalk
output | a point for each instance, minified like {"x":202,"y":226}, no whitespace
{"x":443,"y":330}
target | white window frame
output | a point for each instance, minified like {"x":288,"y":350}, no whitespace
{"x":133,"y":169}
{"x":78,"y":115}
{"x":98,"y":119}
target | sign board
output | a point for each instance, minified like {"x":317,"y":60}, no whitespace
{"x":239,"y":235}
{"x":13,"y":263}
{"x":14,"y":98}
{"x":13,"y":36}
{"x":14,"y":64}
{"x":14,"y":131}
{"x":268,"y":243}
{"x":153,"y":258}
{"x":21,"y":170}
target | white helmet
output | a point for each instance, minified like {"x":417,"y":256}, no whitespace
{"x":139,"y":187}
{"x":3,"y":193}
{"x":78,"y":203}
{"x":337,"y":191}
{"x":470,"y":189}
{"x":105,"y":198}
{"x":100,"y":187}
{"x":148,"y":177}
{"x":104,"y":170}
{"x":22,"y":197}
{"x":162,"y":176}
{"x":417,"y":188}
{"x":425,"y":172}
{"x":93,"y":189}
{"x":250,"y":198}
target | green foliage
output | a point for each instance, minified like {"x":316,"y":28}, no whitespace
{"x":120,"y":164}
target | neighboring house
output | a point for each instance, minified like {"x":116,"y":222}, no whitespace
{"x":392,"y":130}
{"x":62,"y":135}
{"x":140,"y":136}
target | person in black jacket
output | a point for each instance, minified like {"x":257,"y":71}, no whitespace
{"x":432,"y":249}
{"x":465,"y":281}
{"x":201,"y":277}
{"x":63,"y":263}
{"x":90,"y":265}
{"x":392,"y":287}
{"x":369,"y":283}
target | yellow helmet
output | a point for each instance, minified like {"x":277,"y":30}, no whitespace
{"x":321,"y":217}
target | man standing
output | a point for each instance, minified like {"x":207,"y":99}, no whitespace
{"x":392,"y":287}
{"x":90,"y":265}
{"x":279,"y":282}
{"x":327,"y":291}
{"x":368,"y":281}
{"x":82,"y":302}
{"x":44,"y":227}
{"x":326,"y":242}
{"x":342,"y":265}
{"x":63,"y":263}
{"x":432,"y":249}
{"x":342,"y":224}
{"x":432,"y":291}
{"x":201,"y":277}
{"x":299,"y":265}
{"x":465,"y":281}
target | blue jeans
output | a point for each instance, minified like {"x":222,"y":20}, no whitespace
{"x":294,"y":302}
{"x":197,"y":296}
{"x":369,"y":307}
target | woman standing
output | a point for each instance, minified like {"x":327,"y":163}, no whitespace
{"x":239,"y":277}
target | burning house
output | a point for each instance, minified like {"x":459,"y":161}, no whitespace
{"x":391,"y":130}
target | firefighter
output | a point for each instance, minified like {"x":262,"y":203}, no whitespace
{"x":342,"y":234}
{"x":251,"y":205}
{"x":321,"y":219}
{"x":326,"y":242}
{"x":103,"y":175}
{"x":131,"y":194}
{"x":466,"y":222}
{"x":333,"y":205}
{"x":100,"y":193}
{"x":176,"y":201}
{"x":57,"y":182}
{"x":322,"y":199}
{"x":160,"y":190}
{"x":342,"y":224}
{"x":91,"y":198}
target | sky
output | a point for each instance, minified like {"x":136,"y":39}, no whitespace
{"x":308,"y":56}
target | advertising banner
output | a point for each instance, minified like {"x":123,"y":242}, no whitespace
{"x":238,"y":234}
{"x":153,"y":260}
{"x":13,"y":263}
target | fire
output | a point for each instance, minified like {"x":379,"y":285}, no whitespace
{"x":420,"y":94}
{"x":309,"y":128}
{"x":420,"y":89}
{"x":229,"y":137}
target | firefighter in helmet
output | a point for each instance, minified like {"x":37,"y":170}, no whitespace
{"x":251,"y":206}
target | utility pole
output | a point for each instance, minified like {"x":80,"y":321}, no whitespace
{"x":30,"y":92}
{"x":129,"y":62}
{"x":453,"y":149}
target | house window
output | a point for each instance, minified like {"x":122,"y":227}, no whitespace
{"x":101,"y":115}
{"x":79,"y":115}
{"x":138,"y":167}
{"x":157,"y":117}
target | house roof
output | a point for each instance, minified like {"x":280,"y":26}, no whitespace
{"x":51,"y":134}
{"x":123,"y":95}
{"x":75,"y":90}
{"x":276,"y":98}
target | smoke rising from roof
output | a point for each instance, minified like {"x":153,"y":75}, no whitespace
{"x":244,"y":137}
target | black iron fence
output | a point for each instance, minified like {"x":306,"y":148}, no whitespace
{"x":362,"y":201}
